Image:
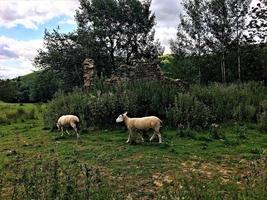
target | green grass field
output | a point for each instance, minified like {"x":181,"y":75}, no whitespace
{"x":140,"y":171}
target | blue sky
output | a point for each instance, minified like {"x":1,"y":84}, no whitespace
{"x":22,"y":25}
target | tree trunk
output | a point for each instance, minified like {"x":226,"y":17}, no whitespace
{"x":238,"y":63}
{"x":238,"y":51}
{"x":199,"y":66}
{"x":223,"y":68}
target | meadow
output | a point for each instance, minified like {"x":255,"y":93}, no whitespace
{"x":36,"y":163}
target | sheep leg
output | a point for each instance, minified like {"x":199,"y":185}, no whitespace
{"x":62,"y":131}
{"x":78,"y":135}
{"x":159,"y":136}
{"x":140,"y":136}
{"x":76,"y":130}
{"x":153,"y":136}
{"x":129,"y":136}
{"x":67,"y":132}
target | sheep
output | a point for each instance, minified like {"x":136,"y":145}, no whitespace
{"x":68,"y":121}
{"x":143,"y":123}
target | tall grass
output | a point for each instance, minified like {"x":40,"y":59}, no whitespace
{"x":238,"y":102}
{"x":196,"y":108}
{"x":9,"y":114}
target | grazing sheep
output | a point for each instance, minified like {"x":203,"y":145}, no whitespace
{"x":143,"y":123}
{"x":68,"y":121}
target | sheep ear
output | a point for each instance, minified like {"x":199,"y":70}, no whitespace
{"x":125,"y":113}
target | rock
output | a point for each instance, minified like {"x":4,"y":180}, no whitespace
{"x":89,"y":72}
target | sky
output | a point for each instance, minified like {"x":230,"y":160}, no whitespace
{"x":22,"y":25}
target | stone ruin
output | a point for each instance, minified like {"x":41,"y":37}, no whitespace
{"x":124,"y":73}
{"x":89,"y":72}
{"x":143,"y":71}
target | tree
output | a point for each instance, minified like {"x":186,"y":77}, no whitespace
{"x":257,"y":27}
{"x":239,"y":10}
{"x":120,"y":29}
{"x":44,"y":86}
{"x":212,"y":27}
{"x":8,"y":91}
{"x":193,"y":24}
{"x":109,"y":31}
{"x":62,"y":56}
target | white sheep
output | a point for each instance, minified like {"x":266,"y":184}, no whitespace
{"x":68,"y":121}
{"x":143,"y":123}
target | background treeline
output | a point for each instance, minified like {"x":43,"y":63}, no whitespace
{"x":217,"y":41}
{"x":220,"y":40}
{"x":35,"y":87}
{"x":254,"y":66}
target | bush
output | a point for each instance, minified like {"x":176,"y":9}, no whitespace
{"x":100,"y":108}
{"x":74,"y":103}
{"x":237,"y":102}
{"x":262,"y":116}
{"x":3,"y":119}
{"x":196,"y":108}
{"x":188,"y":110}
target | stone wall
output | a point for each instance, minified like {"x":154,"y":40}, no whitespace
{"x":143,"y":71}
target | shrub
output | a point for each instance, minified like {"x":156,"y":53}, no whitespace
{"x":3,"y":119}
{"x":196,"y":108}
{"x":232,"y":102}
{"x":186,"y":133}
{"x":262,"y":116}
{"x":100,"y":108}
{"x":74,"y":103}
{"x":188,"y":110}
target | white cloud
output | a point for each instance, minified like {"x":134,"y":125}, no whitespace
{"x":165,"y":34}
{"x":167,"y":18}
{"x":31,"y":13}
{"x":21,"y":63}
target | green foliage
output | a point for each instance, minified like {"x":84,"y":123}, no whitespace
{"x":186,"y":133}
{"x":197,"y":108}
{"x":189,"y":111}
{"x":44,"y":86}
{"x":110,"y":32}
{"x":180,"y":67}
{"x":100,"y":108}
{"x":74,"y":103}
{"x":8,"y":91}
{"x":253,"y":63}
{"x":8,"y":116}
{"x":35,"y":87}
{"x":214,"y":42}
{"x":262,"y":116}
{"x":232,"y":102}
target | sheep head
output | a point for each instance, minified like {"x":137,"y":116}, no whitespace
{"x":121,"y":117}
